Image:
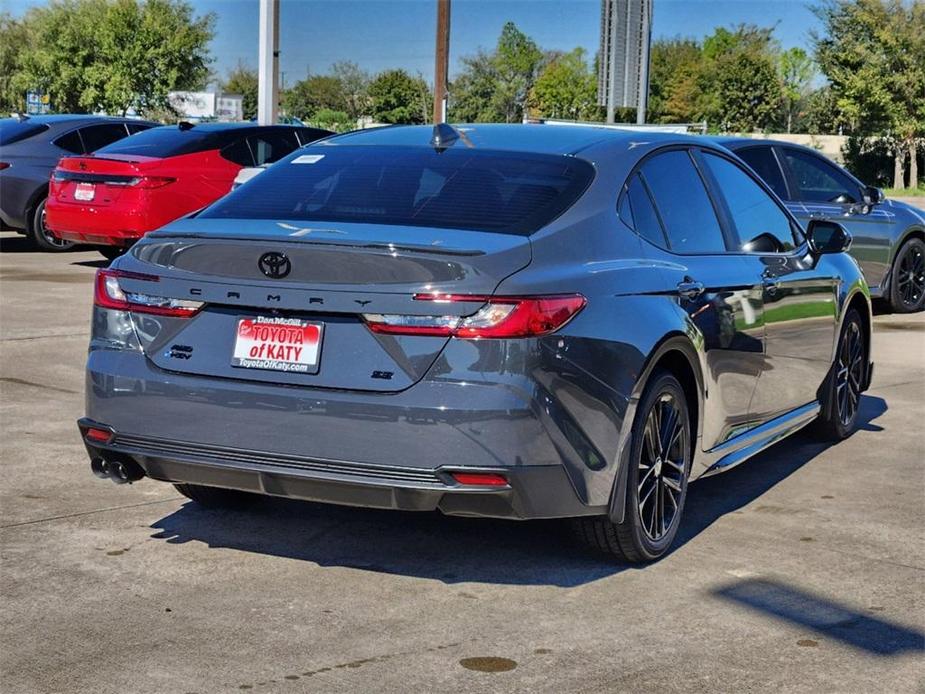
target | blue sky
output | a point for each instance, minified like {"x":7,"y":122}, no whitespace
{"x":380,"y":34}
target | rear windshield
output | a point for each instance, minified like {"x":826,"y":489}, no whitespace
{"x":459,"y":188}
{"x":165,"y":141}
{"x":14,"y":130}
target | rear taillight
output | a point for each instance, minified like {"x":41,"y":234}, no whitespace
{"x":500,"y":317}
{"x":148,"y":182}
{"x":4,"y":165}
{"x":480,"y":479}
{"x":109,"y":294}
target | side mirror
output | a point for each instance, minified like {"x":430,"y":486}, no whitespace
{"x":873,"y":195}
{"x":827,"y":237}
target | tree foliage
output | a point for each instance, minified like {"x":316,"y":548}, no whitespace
{"x":354,"y":84}
{"x":243,"y":80}
{"x":397,"y":97}
{"x":796,"y":75}
{"x":13,"y":35}
{"x":113,"y":55}
{"x":873,"y":53}
{"x":313,"y":94}
{"x":566,"y":88}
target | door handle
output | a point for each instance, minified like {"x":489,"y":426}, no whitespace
{"x":689,"y":288}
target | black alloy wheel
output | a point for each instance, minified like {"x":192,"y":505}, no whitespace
{"x":907,"y":293}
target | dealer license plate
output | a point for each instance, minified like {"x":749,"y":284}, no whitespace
{"x":278,"y":344}
{"x":85,"y":192}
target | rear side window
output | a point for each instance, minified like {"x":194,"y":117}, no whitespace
{"x":14,"y":130}
{"x":758,"y":221}
{"x":819,"y":181}
{"x":137,"y":127}
{"x":166,"y":141}
{"x":683,"y":204}
{"x":645,"y":219}
{"x":480,"y":190}
{"x":70,"y":142}
{"x":764,"y":163}
{"x":272,"y":146}
{"x":238,"y":152}
{"x":98,"y":136}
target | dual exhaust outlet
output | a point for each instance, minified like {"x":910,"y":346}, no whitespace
{"x":119,"y":471}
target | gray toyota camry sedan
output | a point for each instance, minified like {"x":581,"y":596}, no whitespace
{"x":517,"y":321}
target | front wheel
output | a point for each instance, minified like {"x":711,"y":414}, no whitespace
{"x":842,"y":396}
{"x":656,"y":479}
{"x":41,"y":235}
{"x":907,"y":288}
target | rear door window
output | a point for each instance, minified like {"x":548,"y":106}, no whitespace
{"x":819,"y":181}
{"x":238,"y":152}
{"x":683,"y":204}
{"x":764,"y":163}
{"x":71,"y":142}
{"x":271,"y":146}
{"x":481,"y":190}
{"x":759,"y":222}
{"x":98,"y":136}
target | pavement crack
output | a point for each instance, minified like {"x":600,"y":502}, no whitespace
{"x":87,"y":513}
{"x":42,"y":337}
{"x":34,"y":384}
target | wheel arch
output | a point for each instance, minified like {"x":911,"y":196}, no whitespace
{"x":861,"y":303}
{"x":677,"y":354}
{"x":37,"y":196}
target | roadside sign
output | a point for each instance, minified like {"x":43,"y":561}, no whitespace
{"x":37,"y":103}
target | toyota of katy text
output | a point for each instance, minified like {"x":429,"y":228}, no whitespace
{"x":512,"y":321}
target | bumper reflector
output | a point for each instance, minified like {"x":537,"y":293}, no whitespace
{"x":480,"y":479}
{"x":99,"y":435}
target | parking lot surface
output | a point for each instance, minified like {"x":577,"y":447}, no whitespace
{"x":802,"y":570}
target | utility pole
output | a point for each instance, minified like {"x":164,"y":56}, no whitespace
{"x":442,"y":60}
{"x":268,"y":63}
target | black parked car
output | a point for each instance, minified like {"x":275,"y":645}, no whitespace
{"x":889,"y":235}
{"x":30,"y":147}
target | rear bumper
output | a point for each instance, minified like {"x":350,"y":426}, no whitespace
{"x":367,"y":449}
{"x":532,"y":491}
{"x":106,"y":226}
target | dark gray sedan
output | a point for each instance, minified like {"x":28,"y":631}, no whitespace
{"x":30,"y":147}
{"x":516,"y":321}
{"x":889,"y":235}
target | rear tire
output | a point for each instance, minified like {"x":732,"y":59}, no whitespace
{"x":656,"y":485}
{"x":839,"y":416}
{"x":215,"y":497}
{"x":907,"y":286}
{"x":40,"y":234}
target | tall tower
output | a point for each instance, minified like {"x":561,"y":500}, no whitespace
{"x":623,"y":70}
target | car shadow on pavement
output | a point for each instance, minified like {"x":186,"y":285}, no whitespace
{"x":15,"y":244}
{"x":827,"y":618}
{"x":458,"y":550}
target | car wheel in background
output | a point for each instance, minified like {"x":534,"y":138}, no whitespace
{"x":656,"y":479}
{"x":843,"y":387}
{"x":215,"y":497}
{"x":907,"y":288}
{"x":40,"y":234}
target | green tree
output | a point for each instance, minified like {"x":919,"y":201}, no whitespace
{"x":308,"y":96}
{"x":566,"y":88}
{"x":13,"y":36}
{"x":796,"y":73}
{"x":472,"y":92}
{"x":354,"y":84}
{"x":397,"y":97}
{"x":820,"y":115}
{"x":114,"y":55}
{"x":675,"y":66}
{"x":243,"y":80}
{"x":517,"y":60}
{"x":873,"y":53}
{"x":338,"y":121}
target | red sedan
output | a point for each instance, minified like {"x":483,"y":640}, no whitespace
{"x":119,"y":193}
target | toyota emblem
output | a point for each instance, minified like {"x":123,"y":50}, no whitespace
{"x":274,"y":265}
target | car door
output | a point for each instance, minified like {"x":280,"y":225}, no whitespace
{"x":717,"y":290}
{"x":798,"y":290}
{"x":825,"y":191}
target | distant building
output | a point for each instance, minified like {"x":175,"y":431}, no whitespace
{"x":207,"y":106}
{"x":623,"y":72}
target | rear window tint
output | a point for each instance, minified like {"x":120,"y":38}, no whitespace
{"x":480,"y":190}
{"x":14,"y":130}
{"x":166,"y":141}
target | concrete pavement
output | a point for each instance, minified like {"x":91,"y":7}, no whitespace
{"x":801,"y":571}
